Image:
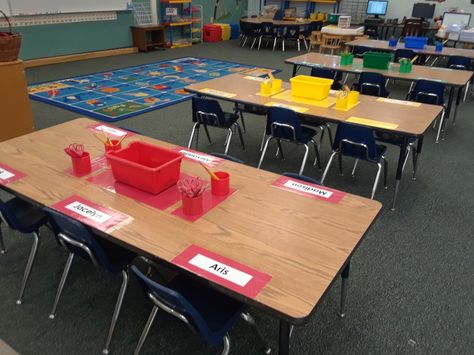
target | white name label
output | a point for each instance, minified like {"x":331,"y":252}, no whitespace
{"x":254,"y":78}
{"x":308,"y":189}
{"x":5,"y":174}
{"x":110,"y":130}
{"x":222,"y":270}
{"x":89,"y":212}
{"x":198,"y":157}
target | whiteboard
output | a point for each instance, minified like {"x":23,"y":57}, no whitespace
{"x":453,"y":18}
{"x":28,"y":7}
{"x":5,"y":7}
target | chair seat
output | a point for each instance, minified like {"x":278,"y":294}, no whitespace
{"x":29,"y":216}
{"x":218,"y":310}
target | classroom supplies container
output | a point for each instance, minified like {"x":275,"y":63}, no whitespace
{"x":310,"y":87}
{"x":146,"y":166}
{"x":225,"y":31}
{"x":392,"y":42}
{"x":81,"y":165}
{"x":406,"y":66}
{"x":220,"y":187}
{"x":276,"y":85}
{"x":212,"y":33}
{"x":416,"y":42}
{"x":266,"y":88}
{"x":192,"y":205}
{"x":347,"y":58}
{"x":377,"y":60}
{"x":234,"y":31}
{"x":10,"y":42}
{"x":333,"y":18}
{"x":438,"y":46}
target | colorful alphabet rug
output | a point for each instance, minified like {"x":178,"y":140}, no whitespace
{"x":114,"y":95}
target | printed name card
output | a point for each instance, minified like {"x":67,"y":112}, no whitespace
{"x":111,"y":131}
{"x":90,"y":213}
{"x":217,"y":93}
{"x":309,"y":190}
{"x":291,"y":107}
{"x":399,"y":102}
{"x":8,"y":174}
{"x":226,"y":272}
{"x":254,"y":78}
{"x":207,"y":159}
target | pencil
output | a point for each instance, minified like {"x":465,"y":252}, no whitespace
{"x":214,"y":176}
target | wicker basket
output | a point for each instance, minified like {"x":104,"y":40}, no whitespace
{"x":10,"y":43}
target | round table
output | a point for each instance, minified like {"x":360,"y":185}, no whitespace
{"x":260,"y":19}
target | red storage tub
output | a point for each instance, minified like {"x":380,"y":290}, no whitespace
{"x":146,"y":166}
{"x":211,"y":33}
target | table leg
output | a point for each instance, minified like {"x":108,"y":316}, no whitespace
{"x":419,"y":146}
{"x":458,"y":101}
{"x":344,"y":281}
{"x":284,"y":341}
{"x":401,"y":160}
{"x":295,"y":69}
{"x":450,"y":102}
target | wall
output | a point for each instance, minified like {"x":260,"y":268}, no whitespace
{"x":400,"y":8}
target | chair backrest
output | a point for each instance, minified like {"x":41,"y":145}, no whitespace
{"x":331,"y":40}
{"x":371,"y":29}
{"x":228,"y":157}
{"x":359,"y":51}
{"x":174,"y":300}
{"x":413,"y":27}
{"x":315,"y":37}
{"x":403,"y":53}
{"x":291,"y":31}
{"x":207,"y":112}
{"x":283,"y":123}
{"x":428,"y":92}
{"x":315,"y":26}
{"x":267,"y":29}
{"x":459,"y":62}
{"x":9,"y":217}
{"x":79,"y":233}
{"x":372,"y":84}
{"x":323,"y":73}
{"x":302,"y":178}
{"x":355,"y":141}
{"x":278,"y":14}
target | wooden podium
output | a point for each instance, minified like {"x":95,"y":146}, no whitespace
{"x":16,"y":117}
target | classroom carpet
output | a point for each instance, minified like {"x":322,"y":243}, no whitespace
{"x":118,"y":94}
{"x":411,"y":284}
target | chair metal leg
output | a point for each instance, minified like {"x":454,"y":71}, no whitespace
{"x":148,"y":325}
{"x":303,"y":163}
{"x":245,"y":41}
{"x":283,"y":45}
{"x":241,"y":119}
{"x":355,"y":167}
{"x":274,"y":44}
{"x":344,"y":281}
{"x":259,"y":42}
{"x":29,"y":265}
{"x":328,"y":165}
{"x":228,"y":141}
{"x":317,"y":158}
{"x":3,"y":250}
{"x":226,"y":341}
{"x":385,"y":173}
{"x":415,"y":162}
{"x":195,"y":127}
{"x":466,"y":91}
{"x":339,"y":158}
{"x":279,"y":150}
{"x":345,"y":79}
{"x":253,"y":43}
{"x":62,"y":282}
{"x":305,"y":43}
{"x":264,"y":151}
{"x":299,"y":46}
{"x":408,"y":151}
{"x":376,"y":182}
{"x":118,"y":307}
{"x":207,"y":134}
{"x":441,"y":123}
{"x":239,"y":130}
{"x":263,"y":139}
{"x":249,"y":319}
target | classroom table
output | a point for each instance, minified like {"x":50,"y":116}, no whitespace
{"x":303,"y":243}
{"x":261,"y":19}
{"x":455,"y":79}
{"x":411,"y":120}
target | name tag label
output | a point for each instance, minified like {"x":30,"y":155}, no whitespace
{"x":8,"y":174}
{"x":223,"y":271}
{"x":207,"y":159}
{"x":254,"y":78}
{"x":92,"y":214}
{"x":309,"y":190}
{"x":399,"y":102}
{"x":290,"y":107}
{"x":217,"y":93}
{"x":111,"y":131}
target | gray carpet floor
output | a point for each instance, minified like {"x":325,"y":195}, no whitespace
{"x":411,"y":286}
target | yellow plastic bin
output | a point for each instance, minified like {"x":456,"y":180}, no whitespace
{"x":310,"y":87}
{"x":226,"y":30}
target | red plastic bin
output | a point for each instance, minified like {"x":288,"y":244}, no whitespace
{"x":146,"y":166}
{"x":212,"y":33}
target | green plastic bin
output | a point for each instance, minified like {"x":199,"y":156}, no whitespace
{"x":377,"y":60}
{"x":333,"y":18}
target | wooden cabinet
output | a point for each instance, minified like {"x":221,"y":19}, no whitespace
{"x":148,"y":36}
{"x":16,"y":117}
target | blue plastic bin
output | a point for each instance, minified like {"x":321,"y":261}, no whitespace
{"x":416,"y":42}
{"x":234,"y":31}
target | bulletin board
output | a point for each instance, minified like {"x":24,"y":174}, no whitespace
{"x":28,"y":7}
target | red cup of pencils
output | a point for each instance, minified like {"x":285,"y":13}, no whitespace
{"x":113,"y":144}
{"x":220,"y":186}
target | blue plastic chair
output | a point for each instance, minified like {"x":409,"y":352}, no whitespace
{"x":359,"y":51}
{"x":291,"y":33}
{"x":23,"y":217}
{"x":284,"y":125}
{"x":459,"y":62}
{"x":268,"y":32}
{"x":358,"y":142}
{"x":278,"y":14}
{"x":204,"y":309}
{"x":79,"y":240}
{"x":208,"y":112}
{"x":228,"y":157}
{"x":403,"y":53}
{"x":302,"y":178}
{"x":373,"y":84}
{"x":328,"y":74}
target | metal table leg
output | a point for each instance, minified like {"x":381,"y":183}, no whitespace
{"x":450,"y":102}
{"x":401,"y":160}
{"x":458,"y":101}
{"x":284,"y":340}
{"x":296,"y":67}
{"x":416,"y":154}
{"x":344,"y":279}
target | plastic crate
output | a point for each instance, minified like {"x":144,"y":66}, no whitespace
{"x":234,"y":31}
{"x":333,"y":18}
{"x":310,"y":87}
{"x":225,"y":31}
{"x":146,"y":166}
{"x":377,"y":60}
{"x":416,"y":42}
{"x":211,"y":33}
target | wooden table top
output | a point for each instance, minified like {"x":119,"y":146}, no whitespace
{"x":409,"y":119}
{"x":260,"y":19}
{"x":448,"y":76}
{"x":429,"y":50}
{"x":303,"y":243}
